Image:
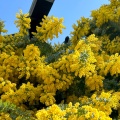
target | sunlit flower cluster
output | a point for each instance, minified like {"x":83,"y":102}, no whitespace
{"x":71,"y":112}
{"x":80,"y":30}
{"x":23,"y":23}
{"x":26,"y":93}
{"x":94,"y":82}
{"x":81,"y":81}
{"x":105,"y":102}
{"x":50,"y":28}
{"x":8,"y":65}
{"x":53,"y":112}
{"x":111,"y":47}
{"x":112,"y":65}
{"x":6,"y":85}
{"x":31,"y":57}
{"x":2,"y":25}
{"x":107,"y":13}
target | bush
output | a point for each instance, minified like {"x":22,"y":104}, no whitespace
{"x":76,"y":80}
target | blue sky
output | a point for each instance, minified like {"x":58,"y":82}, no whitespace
{"x":70,"y":10}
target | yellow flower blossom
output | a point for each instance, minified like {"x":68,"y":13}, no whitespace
{"x":23,"y":23}
{"x":94,"y":82}
{"x":50,"y":27}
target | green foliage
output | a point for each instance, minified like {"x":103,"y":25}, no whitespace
{"x":14,"y":111}
{"x":45,"y":47}
{"x":112,"y":83}
{"x":57,"y":52}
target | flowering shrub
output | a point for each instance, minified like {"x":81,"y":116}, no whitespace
{"x":79,"y":80}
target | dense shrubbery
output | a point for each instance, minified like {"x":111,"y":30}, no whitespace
{"x":79,"y":80}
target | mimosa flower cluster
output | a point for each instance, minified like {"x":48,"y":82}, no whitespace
{"x":23,"y":23}
{"x":72,"y":112}
{"x":79,"y":80}
{"x":50,"y":27}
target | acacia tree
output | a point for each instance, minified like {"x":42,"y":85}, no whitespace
{"x":76,"y":80}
